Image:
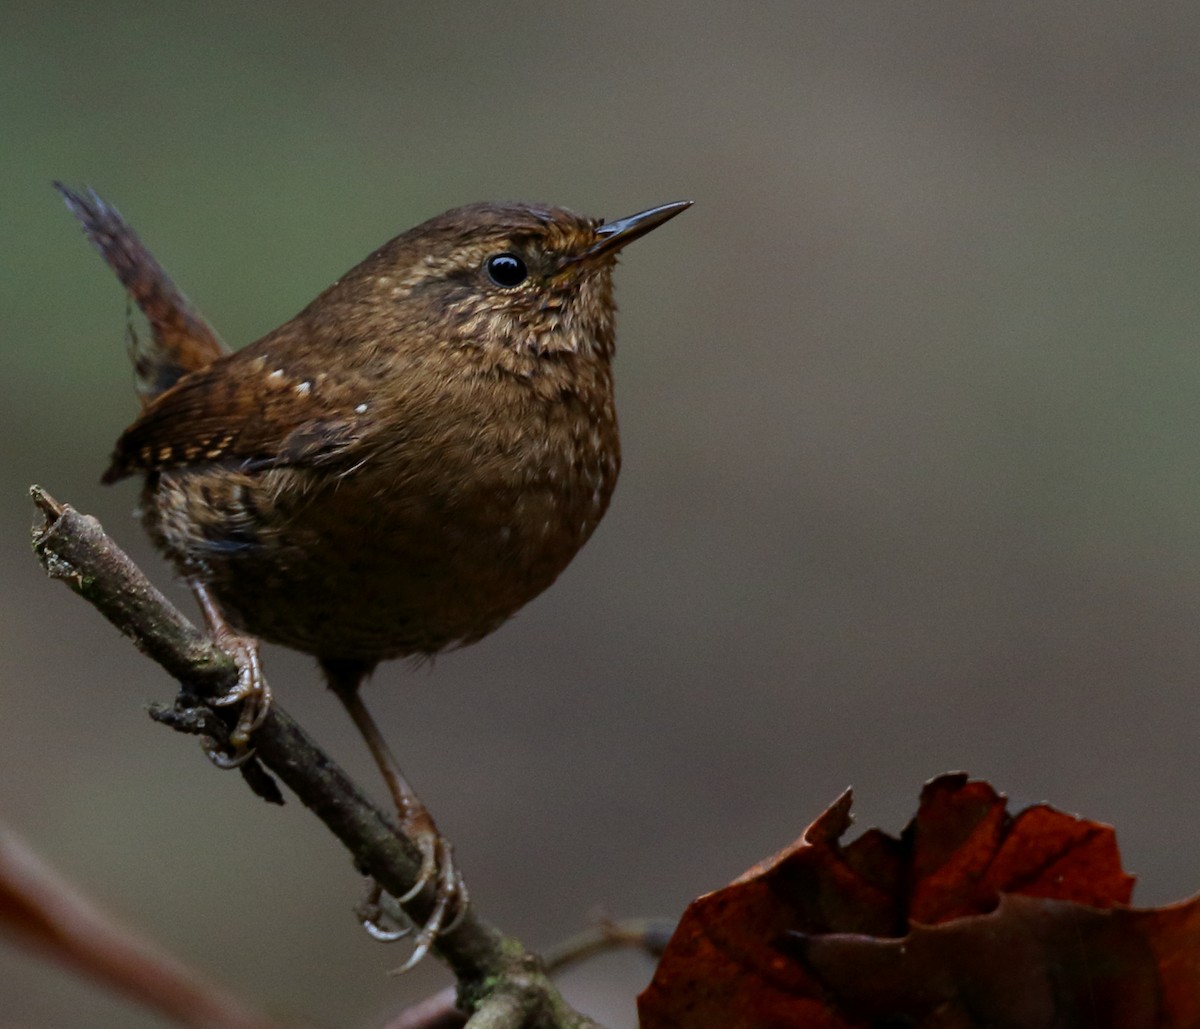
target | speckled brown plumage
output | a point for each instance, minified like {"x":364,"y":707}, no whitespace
{"x":404,"y":464}
{"x":396,"y":470}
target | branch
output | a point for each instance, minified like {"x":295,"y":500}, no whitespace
{"x":490,"y":967}
{"x":440,"y":1011}
{"x":46,"y":913}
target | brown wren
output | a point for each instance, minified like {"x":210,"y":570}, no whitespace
{"x":398,"y":468}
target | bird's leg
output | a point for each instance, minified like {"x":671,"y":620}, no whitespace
{"x":251,"y":689}
{"x":437,"y":856}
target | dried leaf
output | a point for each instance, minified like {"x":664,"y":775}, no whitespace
{"x":971,"y":918}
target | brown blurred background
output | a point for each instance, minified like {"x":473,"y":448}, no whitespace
{"x":911,"y":411}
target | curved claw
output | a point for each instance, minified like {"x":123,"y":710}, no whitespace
{"x":251,"y":690}
{"x":451,"y":891}
{"x":371,"y":916}
{"x":225,"y":761}
{"x":451,"y":895}
{"x":382,"y":935}
{"x":429,"y":844}
{"x":464,"y":902}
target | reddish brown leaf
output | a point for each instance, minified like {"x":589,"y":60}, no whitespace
{"x":1032,"y":963}
{"x":972,"y":918}
{"x":966,"y":849}
{"x":722,"y":967}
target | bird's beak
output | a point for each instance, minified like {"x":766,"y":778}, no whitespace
{"x":611,"y":236}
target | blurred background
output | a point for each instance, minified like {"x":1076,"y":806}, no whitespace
{"x":910,"y":403}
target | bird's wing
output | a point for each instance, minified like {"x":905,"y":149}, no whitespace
{"x":245,"y":409}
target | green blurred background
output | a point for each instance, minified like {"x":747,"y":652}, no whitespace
{"x":911,"y":422}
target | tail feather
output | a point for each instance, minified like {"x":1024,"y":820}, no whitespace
{"x":181,"y":341}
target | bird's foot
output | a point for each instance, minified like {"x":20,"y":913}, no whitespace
{"x":438,"y":870}
{"x":450,"y":889}
{"x":384,"y":918}
{"x":251,"y":690}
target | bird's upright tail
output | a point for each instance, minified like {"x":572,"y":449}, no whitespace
{"x":181,"y":341}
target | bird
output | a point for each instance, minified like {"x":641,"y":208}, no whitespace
{"x":391,"y":473}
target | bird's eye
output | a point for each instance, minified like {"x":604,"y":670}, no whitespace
{"x":506,"y":270}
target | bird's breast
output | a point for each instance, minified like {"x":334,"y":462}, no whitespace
{"x":420,"y":547}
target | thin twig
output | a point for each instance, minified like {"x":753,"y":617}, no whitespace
{"x":441,"y":1011}
{"x":438,"y":1011}
{"x":46,"y":913}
